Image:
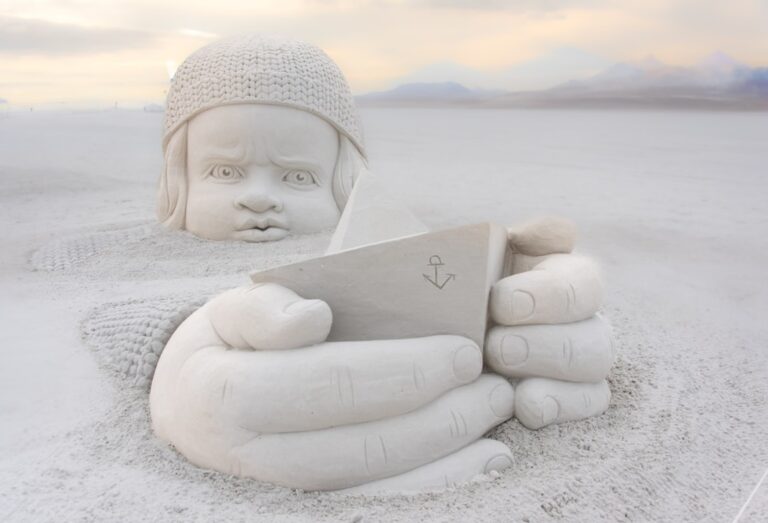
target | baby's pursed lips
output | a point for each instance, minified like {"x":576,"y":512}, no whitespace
{"x":262,"y":223}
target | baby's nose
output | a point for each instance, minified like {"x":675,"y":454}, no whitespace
{"x":259,"y":199}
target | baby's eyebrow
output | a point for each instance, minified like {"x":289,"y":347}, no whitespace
{"x":234,"y":154}
{"x":279,"y":158}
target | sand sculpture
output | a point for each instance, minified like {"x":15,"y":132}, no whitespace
{"x":320,"y":376}
{"x":261,"y":140}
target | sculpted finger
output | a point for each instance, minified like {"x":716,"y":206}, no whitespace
{"x":523,"y":262}
{"x":482,"y":457}
{"x":548,"y":235}
{"x":351,"y":455}
{"x":325,"y":385}
{"x":540,"y":402}
{"x":263,"y":316}
{"x":194,"y":334}
{"x":561,"y":289}
{"x":268,"y":316}
{"x":581,"y":351}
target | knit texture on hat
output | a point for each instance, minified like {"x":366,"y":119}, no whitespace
{"x":256,"y":69}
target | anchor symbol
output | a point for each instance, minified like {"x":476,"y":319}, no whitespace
{"x":436,"y":262}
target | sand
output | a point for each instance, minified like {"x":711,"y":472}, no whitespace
{"x":673,"y":204}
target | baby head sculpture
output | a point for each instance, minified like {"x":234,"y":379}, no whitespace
{"x":261,"y":140}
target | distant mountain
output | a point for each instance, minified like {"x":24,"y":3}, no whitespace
{"x":717,"y":82}
{"x":544,"y":71}
{"x":153,"y":108}
{"x":717,"y":70}
{"x":427,"y":93}
{"x":755,"y":83}
{"x":3,"y":101}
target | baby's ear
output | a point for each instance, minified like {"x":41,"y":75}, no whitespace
{"x":172,"y":190}
{"x":349,"y":164}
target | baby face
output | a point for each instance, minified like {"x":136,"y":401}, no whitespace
{"x":259,"y":172}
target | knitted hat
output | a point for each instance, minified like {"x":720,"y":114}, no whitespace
{"x":256,"y":69}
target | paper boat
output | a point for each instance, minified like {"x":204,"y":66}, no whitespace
{"x":420,"y":285}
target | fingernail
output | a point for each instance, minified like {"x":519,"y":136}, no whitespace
{"x":514,"y":350}
{"x":522,"y":303}
{"x":467,"y":363}
{"x":550,"y":410}
{"x":301,"y":306}
{"x":498,"y":463}
{"x":502,"y":400}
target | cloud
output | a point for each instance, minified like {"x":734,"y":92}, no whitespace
{"x":3,"y":101}
{"x":194,"y":33}
{"x":506,"y":5}
{"x":24,"y":36}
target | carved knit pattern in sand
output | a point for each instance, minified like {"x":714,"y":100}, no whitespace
{"x":255,"y":69}
{"x":128,"y":337}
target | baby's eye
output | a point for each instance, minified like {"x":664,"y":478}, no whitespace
{"x":300,"y":179}
{"x":226,"y":173}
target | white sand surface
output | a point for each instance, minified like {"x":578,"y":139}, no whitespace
{"x":673,"y":204}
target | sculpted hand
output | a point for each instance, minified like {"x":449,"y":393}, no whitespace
{"x":548,"y":335}
{"x":247,"y":385}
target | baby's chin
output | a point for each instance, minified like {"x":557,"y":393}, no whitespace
{"x":260,"y":235}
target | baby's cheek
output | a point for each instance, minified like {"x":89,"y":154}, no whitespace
{"x":210,"y":211}
{"x":312,"y":213}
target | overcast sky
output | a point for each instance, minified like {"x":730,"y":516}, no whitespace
{"x":91,"y":51}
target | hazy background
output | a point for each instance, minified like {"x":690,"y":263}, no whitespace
{"x":86,"y":53}
{"x":671,"y":202}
